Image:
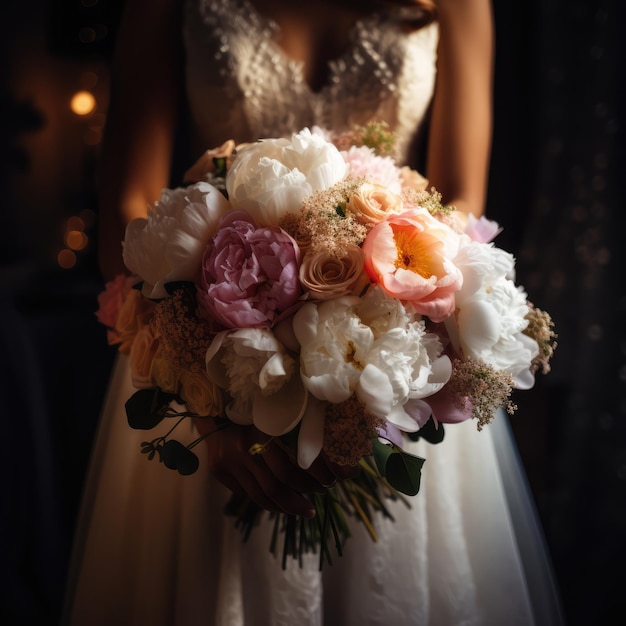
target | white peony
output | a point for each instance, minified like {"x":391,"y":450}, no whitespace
{"x":387,"y":360}
{"x":168,"y":245}
{"x":271,"y":177}
{"x":491,"y":312}
{"x":261,"y":377}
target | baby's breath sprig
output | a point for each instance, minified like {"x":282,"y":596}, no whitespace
{"x":348,"y":432}
{"x":378,"y":137}
{"x":374,"y":135}
{"x":541,"y":329}
{"x":431,"y":201}
{"x":486,"y":389}
{"x":323,"y":221}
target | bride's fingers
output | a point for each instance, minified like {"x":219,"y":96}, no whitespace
{"x":322,"y":473}
{"x":287,"y":470}
{"x":261,"y":483}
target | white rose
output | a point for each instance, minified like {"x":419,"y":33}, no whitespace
{"x":168,"y":245}
{"x":273,"y":176}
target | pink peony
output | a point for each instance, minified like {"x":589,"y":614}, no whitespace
{"x":249,"y":274}
{"x":411,"y":256}
{"x":363,"y":161}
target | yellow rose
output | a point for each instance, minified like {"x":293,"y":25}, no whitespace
{"x":201,"y":395}
{"x":373,"y":202}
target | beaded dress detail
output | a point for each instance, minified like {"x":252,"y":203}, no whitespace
{"x":242,"y":85}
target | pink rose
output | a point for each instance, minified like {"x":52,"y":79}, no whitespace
{"x":249,"y":275}
{"x":411,"y":256}
{"x":111,"y":299}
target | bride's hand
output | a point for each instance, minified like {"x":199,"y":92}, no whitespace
{"x":272,"y":478}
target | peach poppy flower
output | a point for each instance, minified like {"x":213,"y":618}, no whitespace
{"x":411,"y":256}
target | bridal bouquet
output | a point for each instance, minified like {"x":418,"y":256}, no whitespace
{"x":315,"y":289}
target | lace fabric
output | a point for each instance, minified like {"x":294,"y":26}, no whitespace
{"x":241,"y":84}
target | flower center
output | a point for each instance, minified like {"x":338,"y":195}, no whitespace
{"x":412,"y":255}
{"x":350,"y":356}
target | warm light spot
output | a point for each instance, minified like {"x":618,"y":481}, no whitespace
{"x":75,"y":223}
{"x":83,"y":103}
{"x":66,"y":259}
{"x":76,"y":239}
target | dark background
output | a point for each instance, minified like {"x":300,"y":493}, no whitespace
{"x":556,"y":187}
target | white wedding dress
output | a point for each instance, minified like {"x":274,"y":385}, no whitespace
{"x":154,"y":548}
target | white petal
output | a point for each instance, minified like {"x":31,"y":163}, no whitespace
{"x":280,"y":412}
{"x":311,"y":435}
{"x":375,"y":391}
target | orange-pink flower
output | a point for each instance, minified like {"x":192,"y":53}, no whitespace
{"x":411,"y":256}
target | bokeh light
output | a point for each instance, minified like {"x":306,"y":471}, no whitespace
{"x":66,"y":259}
{"x":83,"y":103}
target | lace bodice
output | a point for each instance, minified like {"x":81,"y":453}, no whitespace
{"x":242,"y":85}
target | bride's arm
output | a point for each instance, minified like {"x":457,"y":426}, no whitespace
{"x":138,"y":141}
{"x":461,"y":125}
{"x":135,"y":166}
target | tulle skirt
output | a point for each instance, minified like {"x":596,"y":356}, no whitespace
{"x":153,"y":547}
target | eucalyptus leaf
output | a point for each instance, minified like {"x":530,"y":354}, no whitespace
{"x":431,"y":432}
{"x":382,"y":452}
{"x":401,"y":469}
{"x":404,"y":472}
{"x":176,"y":456}
{"x":146,"y":408}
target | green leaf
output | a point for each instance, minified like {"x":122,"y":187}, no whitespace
{"x":176,"y":456}
{"x":402,"y":470}
{"x":381,"y":455}
{"x":431,"y":432}
{"x":220,"y":165}
{"x":146,"y":408}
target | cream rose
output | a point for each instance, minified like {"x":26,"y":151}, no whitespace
{"x":205,"y":165}
{"x":327,"y":276}
{"x":142,"y":353}
{"x":135,"y":313}
{"x":201,"y":395}
{"x":412,"y":179}
{"x":164,"y":373}
{"x":373,"y":202}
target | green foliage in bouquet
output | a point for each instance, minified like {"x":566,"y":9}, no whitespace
{"x":388,"y":475}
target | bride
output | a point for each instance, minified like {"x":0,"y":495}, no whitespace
{"x":153,"y":547}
